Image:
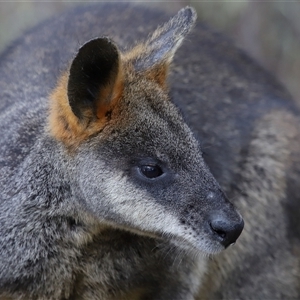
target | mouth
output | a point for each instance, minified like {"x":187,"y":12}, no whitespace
{"x":203,"y":246}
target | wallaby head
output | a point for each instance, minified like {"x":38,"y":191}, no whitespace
{"x":134,"y":162}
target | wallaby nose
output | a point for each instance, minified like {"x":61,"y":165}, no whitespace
{"x":227,"y":231}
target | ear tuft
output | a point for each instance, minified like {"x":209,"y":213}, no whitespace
{"x":165,"y":40}
{"x":155,"y":55}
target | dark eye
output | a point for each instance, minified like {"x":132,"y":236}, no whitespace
{"x":151,"y":171}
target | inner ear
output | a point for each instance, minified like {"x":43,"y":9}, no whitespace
{"x":94,"y":79}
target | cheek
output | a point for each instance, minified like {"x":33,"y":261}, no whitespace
{"x":112,"y":196}
{"x":137,"y":207}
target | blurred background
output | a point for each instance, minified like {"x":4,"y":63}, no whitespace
{"x":268,"y":30}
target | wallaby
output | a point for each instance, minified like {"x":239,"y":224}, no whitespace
{"x":109,"y":193}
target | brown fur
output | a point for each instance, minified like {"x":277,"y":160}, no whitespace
{"x":66,"y":127}
{"x":157,"y":74}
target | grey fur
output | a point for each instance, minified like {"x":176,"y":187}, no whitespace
{"x":83,"y":225}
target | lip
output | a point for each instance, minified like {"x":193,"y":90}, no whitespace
{"x":207,"y":246}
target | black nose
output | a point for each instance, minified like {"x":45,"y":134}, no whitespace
{"x":227,"y":231}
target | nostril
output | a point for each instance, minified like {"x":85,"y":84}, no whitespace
{"x":216,"y":227}
{"x":226,"y":231}
{"x":218,"y":231}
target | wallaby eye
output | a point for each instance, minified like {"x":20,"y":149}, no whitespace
{"x":151,"y":171}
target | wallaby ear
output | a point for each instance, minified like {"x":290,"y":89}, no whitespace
{"x":83,"y":101}
{"x":94,"y":79}
{"x":155,"y":55}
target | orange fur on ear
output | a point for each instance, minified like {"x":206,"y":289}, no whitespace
{"x":66,"y":127}
{"x":157,"y":73}
{"x":111,"y":95}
